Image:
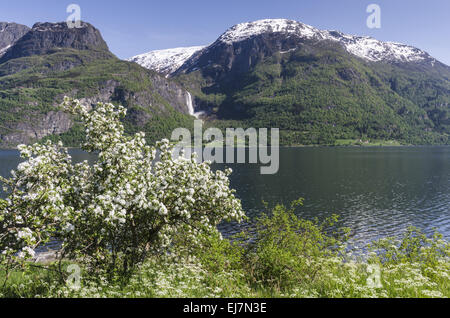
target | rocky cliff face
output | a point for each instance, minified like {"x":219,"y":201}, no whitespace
{"x":46,"y":38}
{"x":9,"y":34}
{"x":35,"y":128}
{"x":172,"y":92}
{"x":161,"y":95}
{"x":222,"y":58}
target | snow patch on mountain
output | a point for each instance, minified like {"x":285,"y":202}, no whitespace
{"x":243,"y":31}
{"x":4,"y":49}
{"x":165,"y":61}
{"x":374,"y":50}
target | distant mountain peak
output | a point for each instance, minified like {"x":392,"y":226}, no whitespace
{"x":45,"y":37}
{"x":242,"y":31}
{"x":165,"y":61}
{"x":59,"y":26}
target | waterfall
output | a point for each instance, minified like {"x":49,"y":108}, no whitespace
{"x":190,"y":106}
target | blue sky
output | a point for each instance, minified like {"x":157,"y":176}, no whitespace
{"x":136,"y":26}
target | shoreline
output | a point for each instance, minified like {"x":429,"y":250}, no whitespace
{"x":299,"y":146}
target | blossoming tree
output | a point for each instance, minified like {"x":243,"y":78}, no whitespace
{"x":110,"y":214}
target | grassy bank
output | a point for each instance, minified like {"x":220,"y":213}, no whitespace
{"x":287,"y":257}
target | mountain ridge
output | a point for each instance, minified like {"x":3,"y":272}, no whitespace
{"x":44,"y":37}
{"x":364,"y":47}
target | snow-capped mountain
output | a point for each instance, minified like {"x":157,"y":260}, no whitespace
{"x":293,"y":32}
{"x":165,"y":61}
{"x":361,"y":46}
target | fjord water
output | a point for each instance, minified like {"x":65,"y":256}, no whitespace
{"x":377,"y":191}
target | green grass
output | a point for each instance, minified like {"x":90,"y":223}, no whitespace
{"x":165,"y":277}
{"x":289,"y":257}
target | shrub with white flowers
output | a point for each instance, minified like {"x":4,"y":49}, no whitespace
{"x":113,"y":213}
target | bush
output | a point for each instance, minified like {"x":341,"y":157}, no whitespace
{"x":286,"y":251}
{"x":412,"y":247}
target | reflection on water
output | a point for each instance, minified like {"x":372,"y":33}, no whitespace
{"x":376,"y":191}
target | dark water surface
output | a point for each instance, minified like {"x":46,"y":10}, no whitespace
{"x":376,"y":191}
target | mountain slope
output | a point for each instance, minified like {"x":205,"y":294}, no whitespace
{"x":319,"y":86}
{"x":9,"y":34}
{"x":51,"y":61}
